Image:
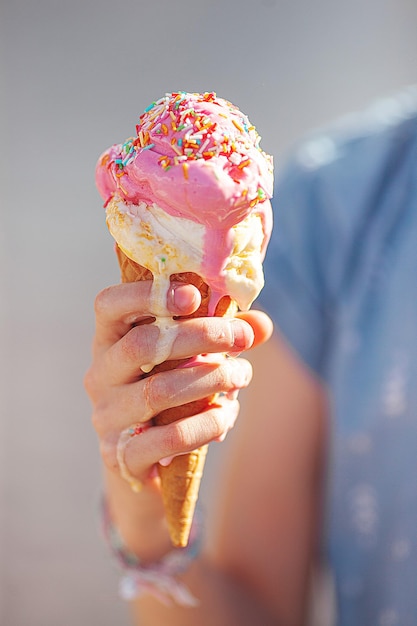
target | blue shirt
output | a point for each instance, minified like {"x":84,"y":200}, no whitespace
{"x":341,"y":285}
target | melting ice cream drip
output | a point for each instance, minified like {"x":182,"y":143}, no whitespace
{"x":168,"y":327}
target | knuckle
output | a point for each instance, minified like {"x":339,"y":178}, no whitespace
{"x":217,"y":332}
{"x":216,"y":423}
{"x":101,"y":302}
{"x":189,"y":434}
{"x":89,"y":382}
{"x":130,"y":346}
{"x":229,"y":373}
{"x":235,"y":374}
{"x":174,"y":439}
{"x":139,"y":343}
{"x":151,"y":395}
{"x":222,"y":379}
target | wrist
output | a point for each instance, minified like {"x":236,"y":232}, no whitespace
{"x":160,"y":578}
{"x":139,"y":517}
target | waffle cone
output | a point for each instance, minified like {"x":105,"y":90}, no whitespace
{"x":180,"y":480}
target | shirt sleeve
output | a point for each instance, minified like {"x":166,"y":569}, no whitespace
{"x":336,"y":193}
{"x":295,"y":294}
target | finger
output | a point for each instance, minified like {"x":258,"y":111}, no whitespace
{"x":140,"y":401}
{"x":140,"y":346}
{"x":120,"y":307}
{"x":231,"y":418}
{"x":261,"y":323}
{"x":161,"y":442}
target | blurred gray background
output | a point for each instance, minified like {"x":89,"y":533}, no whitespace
{"x":75,"y":75}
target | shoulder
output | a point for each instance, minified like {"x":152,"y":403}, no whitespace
{"x":347,"y":158}
{"x":377,"y":129}
{"x":339,"y":177}
{"x":339,"y":189}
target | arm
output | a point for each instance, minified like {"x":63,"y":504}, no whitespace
{"x":255,"y":569}
{"x":272,"y":498}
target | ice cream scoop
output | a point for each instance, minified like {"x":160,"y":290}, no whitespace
{"x":191,"y":193}
{"x":188,"y":199}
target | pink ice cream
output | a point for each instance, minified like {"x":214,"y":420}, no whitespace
{"x":197,"y":159}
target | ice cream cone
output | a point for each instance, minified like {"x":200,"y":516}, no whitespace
{"x":191,"y":191}
{"x":180,"y":480}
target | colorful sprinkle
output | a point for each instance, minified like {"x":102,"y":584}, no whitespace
{"x":150,"y":107}
{"x":184,"y":130}
{"x":238,"y":126}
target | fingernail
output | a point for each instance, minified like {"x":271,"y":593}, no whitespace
{"x":183,"y":298}
{"x":242,"y":335}
{"x":165,"y":462}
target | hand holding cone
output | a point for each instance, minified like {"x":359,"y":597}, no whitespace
{"x":180,"y":480}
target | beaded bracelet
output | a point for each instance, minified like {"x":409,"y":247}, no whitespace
{"x":157,"y":578}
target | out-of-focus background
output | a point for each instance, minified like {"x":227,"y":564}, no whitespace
{"x":75,"y":77}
